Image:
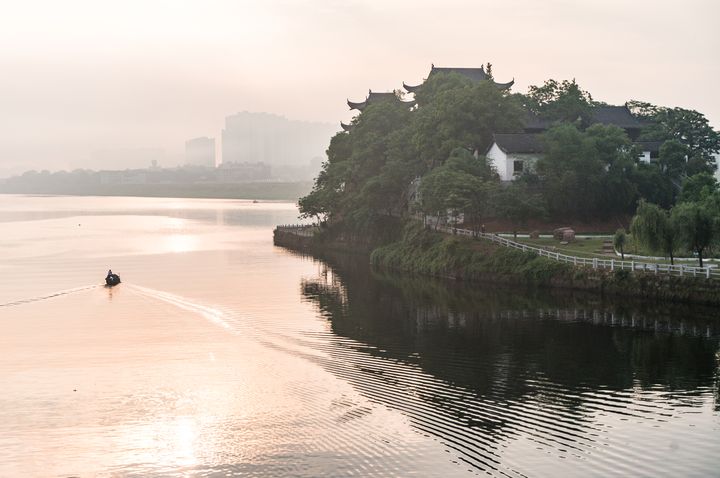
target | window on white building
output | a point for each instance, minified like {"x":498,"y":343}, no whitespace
{"x":517,"y":167}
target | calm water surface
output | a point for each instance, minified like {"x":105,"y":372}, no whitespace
{"x":222,"y":355}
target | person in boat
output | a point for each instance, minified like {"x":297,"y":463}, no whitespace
{"x":109,"y":272}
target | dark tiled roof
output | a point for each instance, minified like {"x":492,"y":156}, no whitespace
{"x":535,"y":123}
{"x":519,"y":142}
{"x":346,"y":127}
{"x":474,"y":74}
{"x":411,"y":88}
{"x":619,"y":116}
{"x":374,"y":97}
{"x":615,"y":115}
{"x":504,"y":86}
{"x":356,"y":105}
{"x":652,"y":146}
{"x":384,"y":96}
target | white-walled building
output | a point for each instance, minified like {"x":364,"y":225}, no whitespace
{"x":515,"y":153}
{"x":650,"y":151}
{"x":512,"y":154}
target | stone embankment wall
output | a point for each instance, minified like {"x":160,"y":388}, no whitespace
{"x":288,"y":237}
{"x":490,"y":264}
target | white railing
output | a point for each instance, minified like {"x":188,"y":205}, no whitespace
{"x":308,"y":230}
{"x":595,"y":263}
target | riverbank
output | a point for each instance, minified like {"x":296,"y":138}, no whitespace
{"x":432,"y":253}
{"x":289,"y":191}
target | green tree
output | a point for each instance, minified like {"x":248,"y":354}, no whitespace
{"x":673,"y":159}
{"x":619,"y":241}
{"x":461,"y":185}
{"x":571,"y":172}
{"x":696,"y":188}
{"x":688,"y":127}
{"x":447,"y":192}
{"x":697,"y":226}
{"x":619,"y":158}
{"x":325,"y":198}
{"x":368,"y":170}
{"x":455,"y":112}
{"x":561,"y":101}
{"x":652,"y":185}
{"x":518,"y":203}
{"x":655,"y":230}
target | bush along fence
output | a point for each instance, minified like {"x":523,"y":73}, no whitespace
{"x":304,"y":230}
{"x":708,"y":272}
{"x":681,"y":270}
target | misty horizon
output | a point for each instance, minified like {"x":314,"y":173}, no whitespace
{"x":81,"y":78}
{"x":140,"y":157}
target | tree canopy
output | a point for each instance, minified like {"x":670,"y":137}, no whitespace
{"x":561,"y":101}
{"x":687,"y":127}
{"x":655,"y":230}
{"x":369,"y":169}
{"x":587,"y":170}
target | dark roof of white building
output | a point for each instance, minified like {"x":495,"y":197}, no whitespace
{"x":519,"y":142}
{"x":652,"y":146}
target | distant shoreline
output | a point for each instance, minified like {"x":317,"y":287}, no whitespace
{"x":281,"y":191}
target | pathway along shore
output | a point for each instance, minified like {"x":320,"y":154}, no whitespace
{"x":464,"y":257}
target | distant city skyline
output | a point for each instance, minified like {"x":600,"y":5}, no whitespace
{"x":82,"y":76}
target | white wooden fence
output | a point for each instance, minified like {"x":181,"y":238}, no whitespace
{"x":595,"y":262}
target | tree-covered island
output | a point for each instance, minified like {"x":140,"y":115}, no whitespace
{"x":467,"y":150}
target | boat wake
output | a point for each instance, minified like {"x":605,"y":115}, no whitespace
{"x":49,"y":296}
{"x":218,"y":317}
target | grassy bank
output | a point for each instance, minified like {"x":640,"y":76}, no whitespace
{"x":438,"y":254}
{"x":421,"y":251}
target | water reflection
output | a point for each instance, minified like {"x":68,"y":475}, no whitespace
{"x":483,"y":368}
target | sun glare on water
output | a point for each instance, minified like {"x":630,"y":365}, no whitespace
{"x":180,"y":243}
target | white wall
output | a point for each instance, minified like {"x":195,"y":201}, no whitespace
{"x":500,"y":162}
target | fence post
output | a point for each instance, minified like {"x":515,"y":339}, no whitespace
{"x":707,"y":272}
{"x":632,"y":266}
{"x":612,"y":264}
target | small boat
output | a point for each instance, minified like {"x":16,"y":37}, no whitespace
{"x":112,"y":279}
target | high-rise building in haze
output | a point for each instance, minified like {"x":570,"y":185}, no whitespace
{"x":272,"y":139}
{"x":200,"y":152}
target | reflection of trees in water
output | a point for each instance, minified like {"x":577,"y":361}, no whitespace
{"x":477,"y":336}
{"x":717,"y":382}
{"x":495,"y":364}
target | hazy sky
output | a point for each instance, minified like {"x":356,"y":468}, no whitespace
{"x":78,"y":76}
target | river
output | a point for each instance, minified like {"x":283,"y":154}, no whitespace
{"x":223,"y":355}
